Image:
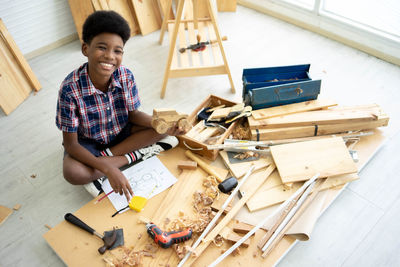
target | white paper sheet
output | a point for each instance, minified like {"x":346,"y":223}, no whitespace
{"x":147,"y":179}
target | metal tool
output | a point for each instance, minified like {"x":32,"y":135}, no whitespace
{"x":112,"y":239}
{"x":167,"y":239}
{"x":200,"y":46}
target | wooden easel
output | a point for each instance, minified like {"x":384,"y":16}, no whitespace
{"x":211,"y":61}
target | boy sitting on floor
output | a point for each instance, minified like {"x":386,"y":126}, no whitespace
{"x":97,"y":111}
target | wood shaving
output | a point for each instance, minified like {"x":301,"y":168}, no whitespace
{"x":241,"y":131}
{"x":17,"y":207}
{"x":181,"y":250}
{"x":139,"y":236}
{"x":47,"y":226}
{"x":33,"y":176}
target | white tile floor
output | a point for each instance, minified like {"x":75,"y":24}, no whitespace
{"x":359,"y":229}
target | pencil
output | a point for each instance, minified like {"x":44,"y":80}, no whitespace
{"x":103,"y":197}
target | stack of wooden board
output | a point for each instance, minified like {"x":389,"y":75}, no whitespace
{"x":142,"y":16}
{"x":313,"y":118}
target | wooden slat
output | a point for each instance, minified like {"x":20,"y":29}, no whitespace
{"x":300,"y":161}
{"x":195,"y":56}
{"x":197,"y":71}
{"x":182,"y":43}
{"x":205,"y":54}
{"x":292,"y":108}
{"x":148,"y":16}
{"x":215,"y":47}
{"x":318,"y":117}
{"x":305,"y":131}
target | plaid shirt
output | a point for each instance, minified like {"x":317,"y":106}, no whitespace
{"x":91,"y":113}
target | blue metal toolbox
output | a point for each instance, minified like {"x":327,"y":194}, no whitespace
{"x":274,"y":86}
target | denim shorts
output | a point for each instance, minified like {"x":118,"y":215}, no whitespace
{"x":95,"y":147}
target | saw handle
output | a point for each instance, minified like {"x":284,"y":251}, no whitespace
{"x":69,"y":217}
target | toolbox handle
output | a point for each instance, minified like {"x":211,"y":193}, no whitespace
{"x":192,"y":148}
{"x":288,"y":92}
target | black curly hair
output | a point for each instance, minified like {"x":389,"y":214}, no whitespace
{"x":105,"y":21}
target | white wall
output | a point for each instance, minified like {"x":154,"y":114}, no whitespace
{"x":35,"y":24}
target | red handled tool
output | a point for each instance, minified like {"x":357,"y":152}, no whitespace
{"x":166,"y":239}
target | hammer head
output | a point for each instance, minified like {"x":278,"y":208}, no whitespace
{"x":112,"y":239}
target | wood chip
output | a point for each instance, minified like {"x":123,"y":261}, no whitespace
{"x":17,"y":206}
{"x":33,"y":176}
{"x":47,"y":226}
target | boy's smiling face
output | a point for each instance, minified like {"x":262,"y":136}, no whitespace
{"x":104,"y":55}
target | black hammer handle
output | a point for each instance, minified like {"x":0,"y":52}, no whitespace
{"x":75,"y":220}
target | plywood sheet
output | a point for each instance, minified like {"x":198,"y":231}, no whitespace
{"x":148,"y":15}
{"x":125,"y":9}
{"x":300,"y":161}
{"x":80,"y":10}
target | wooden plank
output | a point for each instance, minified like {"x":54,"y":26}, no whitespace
{"x":234,"y":237}
{"x":239,"y":169}
{"x":4,"y":213}
{"x":292,"y":108}
{"x":80,"y":10}
{"x":226,"y":5}
{"x":319,"y":117}
{"x":259,"y":177}
{"x":147,"y":15}
{"x":300,"y":161}
{"x":19,"y":57}
{"x":125,"y":9}
{"x":163,"y":6}
{"x":305,"y":131}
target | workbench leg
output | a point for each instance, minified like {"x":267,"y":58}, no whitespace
{"x":165,"y":21}
{"x":214,"y":22}
{"x":172,"y":44}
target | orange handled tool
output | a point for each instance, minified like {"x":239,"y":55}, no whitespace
{"x":166,"y":239}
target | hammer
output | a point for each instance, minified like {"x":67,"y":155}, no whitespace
{"x":200,"y":46}
{"x":109,"y":240}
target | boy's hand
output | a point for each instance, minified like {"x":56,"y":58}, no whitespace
{"x":119,"y":183}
